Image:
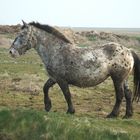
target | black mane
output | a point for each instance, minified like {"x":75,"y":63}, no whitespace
{"x":50,"y":30}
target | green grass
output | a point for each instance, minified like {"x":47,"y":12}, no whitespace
{"x":82,"y":45}
{"x":8,"y":35}
{"x":136,"y":37}
{"x":24,"y":124}
{"x":92,"y":38}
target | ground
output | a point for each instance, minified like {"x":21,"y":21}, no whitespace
{"x":22,"y":79}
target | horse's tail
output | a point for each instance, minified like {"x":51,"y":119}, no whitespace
{"x":136,"y":96}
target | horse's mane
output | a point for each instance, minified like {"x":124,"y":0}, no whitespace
{"x":50,"y":30}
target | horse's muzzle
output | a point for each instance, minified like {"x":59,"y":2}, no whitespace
{"x":13,"y":52}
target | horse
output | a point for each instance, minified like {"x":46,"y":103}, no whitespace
{"x":68,"y":64}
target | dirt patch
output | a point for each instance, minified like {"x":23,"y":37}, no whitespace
{"x":104,"y":37}
{"x":9,"y":29}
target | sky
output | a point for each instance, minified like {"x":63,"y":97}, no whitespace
{"x":72,"y":13}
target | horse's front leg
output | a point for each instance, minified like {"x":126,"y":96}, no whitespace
{"x":47,"y":100}
{"x":65,"y":89}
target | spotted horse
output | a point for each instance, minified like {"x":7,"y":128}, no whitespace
{"x":67,"y":64}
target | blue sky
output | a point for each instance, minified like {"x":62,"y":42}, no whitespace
{"x":72,"y":13}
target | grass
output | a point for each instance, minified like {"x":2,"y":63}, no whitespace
{"x":92,"y":38}
{"x":37,"y":125}
{"x":136,"y":38}
{"x":82,"y":45}
{"x":22,"y":114}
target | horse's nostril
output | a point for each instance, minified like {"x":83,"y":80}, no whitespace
{"x":10,"y":52}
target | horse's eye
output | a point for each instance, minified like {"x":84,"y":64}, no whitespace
{"x":21,"y":35}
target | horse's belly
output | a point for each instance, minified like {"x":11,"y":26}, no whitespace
{"x":88,"y":78}
{"x":89,"y":83}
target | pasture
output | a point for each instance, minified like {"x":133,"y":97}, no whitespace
{"x":22,"y":114}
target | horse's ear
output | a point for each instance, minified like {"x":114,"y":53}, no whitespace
{"x":24,"y":23}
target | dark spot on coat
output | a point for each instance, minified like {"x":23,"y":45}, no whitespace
{"x":126,"y":65}
{"x":71,"y":62}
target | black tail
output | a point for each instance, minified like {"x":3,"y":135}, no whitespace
{"x":136,"y":77}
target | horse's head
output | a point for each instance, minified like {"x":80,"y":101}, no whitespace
{"x":23,"y":41}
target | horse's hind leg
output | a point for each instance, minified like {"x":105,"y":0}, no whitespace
{"x":65,"y":89}
{"x":47,"y":100}
{"x":119,"y":90}
{"x":128,"y":96}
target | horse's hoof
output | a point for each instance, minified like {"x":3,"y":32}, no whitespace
{"x":48,"y":107}
{"x":111,"y":116}
{"x":127,"y":116}
{"x":70,"y":111}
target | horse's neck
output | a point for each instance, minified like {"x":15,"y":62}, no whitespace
{"x":48,"y":40}
{"x":47,"y":45}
